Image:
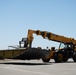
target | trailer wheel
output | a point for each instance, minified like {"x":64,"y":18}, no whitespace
{"x":58,"y":57}
{"x":46,"y":59}
{"x":74,"y":57}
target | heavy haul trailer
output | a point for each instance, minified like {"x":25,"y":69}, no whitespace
{"x":23,"y":54}
{"x":67,"y":48}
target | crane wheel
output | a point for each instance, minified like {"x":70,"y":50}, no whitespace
{"x":58,"y":57}
{"x":74,"y":57}
{"x":46,"y":59}
{"x":65,"y":58}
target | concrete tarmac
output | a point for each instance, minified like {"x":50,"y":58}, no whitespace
{"x":36,"y":67}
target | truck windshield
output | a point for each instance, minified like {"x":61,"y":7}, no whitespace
{"x":62,"y":45}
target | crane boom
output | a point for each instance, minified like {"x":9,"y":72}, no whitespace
{"x":49,"y":36}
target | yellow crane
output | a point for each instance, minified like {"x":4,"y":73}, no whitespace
{"x":67,"y":48}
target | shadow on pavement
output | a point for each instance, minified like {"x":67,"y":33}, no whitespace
{"x":18,"y":63}
{"x":35,"y":63}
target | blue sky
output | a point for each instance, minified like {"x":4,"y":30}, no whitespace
{"x":17,"y":16}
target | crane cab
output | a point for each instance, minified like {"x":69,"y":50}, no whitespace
{"x":65,"y":51}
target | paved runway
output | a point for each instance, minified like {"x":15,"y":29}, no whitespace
{"x":36,"y":67}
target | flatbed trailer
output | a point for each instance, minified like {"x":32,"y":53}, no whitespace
{"x":24,"y":54}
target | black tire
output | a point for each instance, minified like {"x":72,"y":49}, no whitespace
{"x":74,"y":57}
{"x":46,"y":59}
{"x":58,"y":57}
{"x":65,"y":59}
